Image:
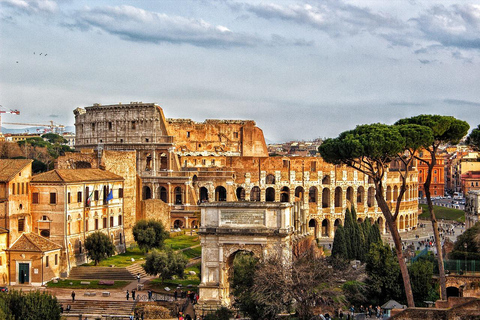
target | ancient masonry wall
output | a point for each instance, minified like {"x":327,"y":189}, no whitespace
{"x":123,"y":163}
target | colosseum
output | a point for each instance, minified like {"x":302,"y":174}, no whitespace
{"x":185,"y":163}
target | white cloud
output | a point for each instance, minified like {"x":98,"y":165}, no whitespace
{"x":333,"y":17}
{"x":454,"y":26}
{"x":31,"y":6}
{"x":135,"y":24}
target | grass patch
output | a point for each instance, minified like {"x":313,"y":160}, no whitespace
{"x":122,"y":260}
{"x":182,"y":242}
{"x":192,"y":253}
{"x":189,"y":279}
{"x":443,"y":213}
{"x":93,"y":284}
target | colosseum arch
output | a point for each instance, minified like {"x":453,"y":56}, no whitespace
{"x":240,"y":194}
{"x":312,"y":195}
{"x":325,"y":198}
{"x":338,"y":197}
{"x":203,"y":194}
{"x":220,"y":193}
{"x":270,"y":179}
{"x":270,"y":194}
{"x":285,"y":194}
{"x":255,"y":194}
{"x":360,"y":196}
{"x":299,"y":194}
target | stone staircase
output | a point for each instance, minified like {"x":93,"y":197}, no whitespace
{"x":100,"y":273}
{"x":101,"y":307}
{"x":137,"y":268}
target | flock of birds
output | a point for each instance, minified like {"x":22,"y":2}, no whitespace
{"x":46,"y":54}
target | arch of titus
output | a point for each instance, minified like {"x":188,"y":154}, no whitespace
{"x":230,"y":227}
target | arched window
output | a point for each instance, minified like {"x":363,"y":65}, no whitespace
{"x":326,"y":179}
{"x":220,"y":194}
{"x":147,"y":193}
{"x":325,"y":198}
{"x":270,"y":179}
{"x":203,"y":194}
{"x":255,"y":194}
{"x":312,"y":195}
{"x":285,"y":194}
{"x":338,"y":197}
{"x":270,"y":194}
{"x":240,"y":194}
{"x":178,"y":195}
{"x":299,"y":194}
{"x":360,"y":195}
{"x":163,"y":194}
{"x":350,"y":194}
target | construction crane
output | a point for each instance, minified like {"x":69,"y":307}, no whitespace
{"x":5,"y":110}
{"x":54,"y":128}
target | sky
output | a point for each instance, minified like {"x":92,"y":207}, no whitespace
{"x":300,"y":69}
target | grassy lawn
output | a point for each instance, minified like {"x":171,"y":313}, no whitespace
{"x":443,"y":213}
{"x":125,"y":259}
{"x":182,"y":242}
{"x":93,"y":284}
{"x":122,"y":260}
{"x":193,"y":280}
{"x":193,"y":253}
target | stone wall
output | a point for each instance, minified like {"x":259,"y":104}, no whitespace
{"x":156,"y":210}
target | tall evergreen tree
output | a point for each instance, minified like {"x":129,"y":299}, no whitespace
{"x":339,"y":248}
{"x":350,"y":235}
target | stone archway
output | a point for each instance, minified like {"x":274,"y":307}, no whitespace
{"x":230,"y":227}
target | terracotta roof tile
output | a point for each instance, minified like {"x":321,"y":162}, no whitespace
{"x":33,"y":242}
{"x":75,"y":175}
{"x":10,"y":167}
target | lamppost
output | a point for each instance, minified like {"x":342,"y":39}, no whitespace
{"x":465,"y":246}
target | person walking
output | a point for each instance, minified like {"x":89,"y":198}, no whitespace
{"x":73,"y":296}
{"x":138,"y":277}
{"x":128,"y":295}
{"x":133,"y":294}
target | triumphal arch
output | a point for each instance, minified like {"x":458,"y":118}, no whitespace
{"x":261,"y":228}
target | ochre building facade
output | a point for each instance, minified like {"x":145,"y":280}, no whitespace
{"x":185,"y":163}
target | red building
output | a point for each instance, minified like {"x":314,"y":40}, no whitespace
{"x":437,"y":186}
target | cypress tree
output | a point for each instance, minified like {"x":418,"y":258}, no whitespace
{"x":339,"y":248}
{"x":349,"y":235}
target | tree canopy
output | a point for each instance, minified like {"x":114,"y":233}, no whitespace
{"x":445,"y":129}
{"x":165,"y":264}
{"x":369,"y":149}
{"x":474,"y":138}
{"x":149,"y":234}
{"x":99,"y":246}
{"x":32,"y":305}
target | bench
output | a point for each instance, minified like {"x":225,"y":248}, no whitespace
{"x":107,"y":282}
{"x":84,"y":282}
{"x":105,"y":294}
{"x":89,"y":293}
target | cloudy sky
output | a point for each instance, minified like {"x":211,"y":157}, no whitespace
{"x":300,"y":69}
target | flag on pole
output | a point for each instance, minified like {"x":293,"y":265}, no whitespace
{"x":110,"y":195}
{"x":89,"y":199}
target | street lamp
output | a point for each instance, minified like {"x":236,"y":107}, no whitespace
{"x":465,"y":246}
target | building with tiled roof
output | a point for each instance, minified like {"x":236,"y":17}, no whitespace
{"x":15,"y":177}
{"x":34,"y":260}
{"x":31,"y":242}
{"x":67,"y":205}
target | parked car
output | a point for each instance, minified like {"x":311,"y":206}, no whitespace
{"x":4,"y":289}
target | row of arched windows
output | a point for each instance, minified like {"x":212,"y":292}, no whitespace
{"x":284,"y":196}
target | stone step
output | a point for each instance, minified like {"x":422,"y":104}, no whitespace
{"x":137,"y":268}
{"x":100,"y":273}
{"x":101,"y":307}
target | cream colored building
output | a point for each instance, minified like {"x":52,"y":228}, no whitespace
{"x":70,"y":204}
